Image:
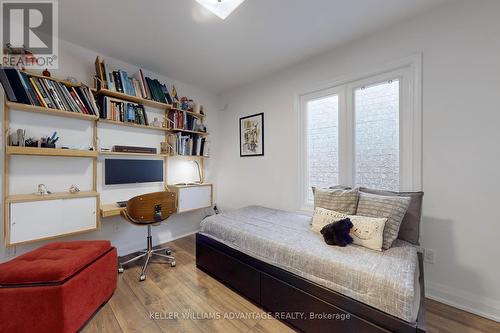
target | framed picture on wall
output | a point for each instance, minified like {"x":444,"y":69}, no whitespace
{"x":252,"y":135}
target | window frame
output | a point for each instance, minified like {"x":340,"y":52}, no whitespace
{"x":408,"y":72}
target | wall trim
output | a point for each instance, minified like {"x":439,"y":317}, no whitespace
{"x":482,"y":306}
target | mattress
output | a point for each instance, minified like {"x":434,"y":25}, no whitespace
{"x":386,"y":280}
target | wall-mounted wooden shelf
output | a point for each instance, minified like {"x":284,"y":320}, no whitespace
{"x":65,"y":82}
{"x":175,"y":130}
{"x":115,"y":153}
{"x":120,"y":123}
{"x":57,"y":214}
{"x":194,"y":114}
{"x":54,"y":112}
{"x":52,"y":196}
{"x":133,"y":99}
{"x":13,"y":150}
{"x":144,"y":101}
{"x":188,"y":156}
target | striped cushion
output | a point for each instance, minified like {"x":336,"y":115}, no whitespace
{"x":392,"y":208}
{"x":339,"y":200}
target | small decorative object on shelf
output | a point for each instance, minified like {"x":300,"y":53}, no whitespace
{"x":74,"y":189}
{"x":42,"y":190}
{"x":21,"y":135}
{"x":72,"y":79}
{"x":46,"y":73}
{"x":156,"y":122}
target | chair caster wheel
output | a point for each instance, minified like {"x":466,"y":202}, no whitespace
{"x":142,"y":277}
{"x":168,"y":252}
{"x":172,"y":264}
{"x":120,"y":269}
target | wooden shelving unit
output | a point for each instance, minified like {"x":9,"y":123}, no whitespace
{"x":52,"y":196}
{"x":105,"y":210}
{"x":121,"y":123}
{"x":134,"y":99}
{"x":54,"y":112}
{"x":175,"y":130}
{"x":13,"y":150}
{"x":115,"y":153}
{"x":187,"y":157}
{"x":144,"y":101}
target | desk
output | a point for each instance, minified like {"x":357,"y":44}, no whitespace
{"x":108,"y":210}
{"x":189,"y":197}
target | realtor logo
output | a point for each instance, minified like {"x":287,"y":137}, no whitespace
{"x":30,"y":33}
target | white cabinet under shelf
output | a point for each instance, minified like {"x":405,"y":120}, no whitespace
{"x":36,"y":220}
{"x":192,"y":197}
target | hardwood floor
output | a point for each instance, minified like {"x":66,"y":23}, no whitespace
{"x":185,"y":299}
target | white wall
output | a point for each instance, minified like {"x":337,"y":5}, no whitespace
{"x":461,"y":89}
{"x":59,"y":173}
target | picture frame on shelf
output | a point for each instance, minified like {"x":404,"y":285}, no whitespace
{"x":252,"y":135}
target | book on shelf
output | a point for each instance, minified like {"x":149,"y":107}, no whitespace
{"x":122,"y":111}
{"x":22,"y":87}
{"x":187,"y":144}
{"x":178,"y":119}
{"x":138,"y":85}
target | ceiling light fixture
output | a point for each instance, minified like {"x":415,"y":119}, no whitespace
{"x":221,"y":8}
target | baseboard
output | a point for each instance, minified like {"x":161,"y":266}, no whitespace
{"x":481,"y":306}
{"x":139,"y":245}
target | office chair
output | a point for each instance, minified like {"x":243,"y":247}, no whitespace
{"x":150,"y":209}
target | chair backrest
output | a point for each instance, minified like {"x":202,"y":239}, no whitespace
{"x":150,"y":208}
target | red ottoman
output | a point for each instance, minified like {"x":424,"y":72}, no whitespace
{"x":57,"y":287}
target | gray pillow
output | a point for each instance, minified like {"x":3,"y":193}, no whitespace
{"x":410,"y":226}
{"x":391,"y":207}
{"x":342,"y":201}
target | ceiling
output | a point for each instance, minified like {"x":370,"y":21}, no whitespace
{"x":182,"y":40}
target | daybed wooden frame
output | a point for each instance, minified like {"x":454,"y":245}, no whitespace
{"x":284,"y":293}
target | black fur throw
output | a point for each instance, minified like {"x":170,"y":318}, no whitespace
{"x":337,"y":233}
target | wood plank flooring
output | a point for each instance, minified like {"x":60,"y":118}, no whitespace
{"x":185,"y":299}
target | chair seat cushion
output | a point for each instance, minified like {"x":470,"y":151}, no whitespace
{"x":52,"y":263}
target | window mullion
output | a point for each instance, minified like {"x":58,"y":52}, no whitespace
{"x":346,"y":136}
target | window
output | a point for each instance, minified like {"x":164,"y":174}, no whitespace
{"x":376,"y":131}
{"x":322,"y":142}
{"x":363,"y":132}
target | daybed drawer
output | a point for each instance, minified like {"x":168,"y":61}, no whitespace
{"x":236,"y":274}
{"x":280,"y":297}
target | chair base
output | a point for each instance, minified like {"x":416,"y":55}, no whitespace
{"x":148,"y":254}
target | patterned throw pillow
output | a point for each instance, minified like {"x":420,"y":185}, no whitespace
{"x":339,"y":200}
{"x":391,"y":208}
{"x":366,"y":231}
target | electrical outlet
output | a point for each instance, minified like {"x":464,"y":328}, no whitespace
{"x":429,"y":256}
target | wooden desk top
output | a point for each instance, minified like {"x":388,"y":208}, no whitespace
{"x":112,"y":209}
{"x":108,"y":210}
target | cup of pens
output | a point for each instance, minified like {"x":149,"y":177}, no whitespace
{"x":49,"y":141}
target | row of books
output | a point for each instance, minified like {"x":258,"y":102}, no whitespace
{"x":138,"y":85}
{"x":188,"y":145}
{"x":182,"y":120}
{"x":21,"y":87}
{"x":122,"y":111}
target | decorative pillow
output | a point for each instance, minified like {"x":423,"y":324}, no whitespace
{"x":392,"y":208}
{"x":366,"y":231}
{"x":410,"y":226}
{"x":322,"y":217}
{"x":339,"y":200}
